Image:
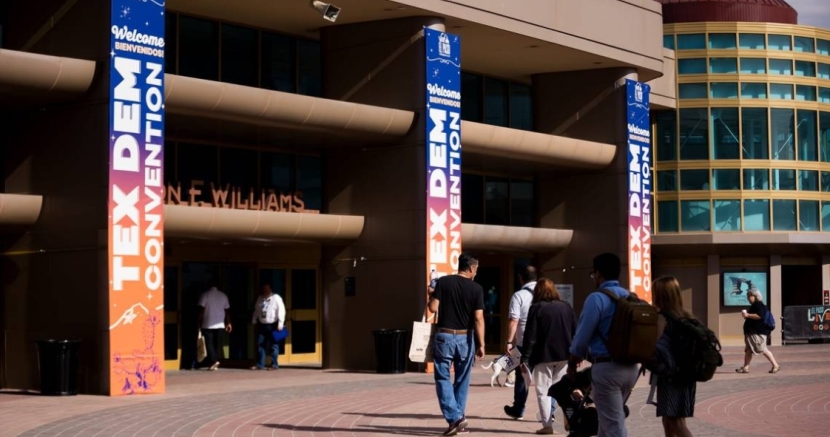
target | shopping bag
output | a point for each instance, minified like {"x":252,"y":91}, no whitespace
{"x":201,"y":348}
{"x":511,"y":361}
{"x":420,"y":350}
{"x":279,"y":336}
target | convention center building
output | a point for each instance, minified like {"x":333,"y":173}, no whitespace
{"x":151,"y":147}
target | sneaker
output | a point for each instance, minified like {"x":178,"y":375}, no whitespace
{"x":214,"y":366}
{"x":509,"y":384}
{"x":456,"y":426}
{"x":512,"y":413}
{"x":463,"y":431}
{"x":546,"y":430}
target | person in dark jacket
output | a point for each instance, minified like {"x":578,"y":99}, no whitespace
{"x":755,"y":333}
{"x":550,"y":327}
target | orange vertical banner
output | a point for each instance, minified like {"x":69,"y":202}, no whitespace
{"x":135,"y":208}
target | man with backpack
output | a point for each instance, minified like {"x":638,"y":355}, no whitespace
{"x":613,"y":376}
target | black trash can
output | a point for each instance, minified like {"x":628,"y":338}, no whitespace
{"x":390,"y":350}
{"x":58,"y":367}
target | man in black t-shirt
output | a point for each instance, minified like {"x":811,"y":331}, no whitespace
{"x":460,"y":311}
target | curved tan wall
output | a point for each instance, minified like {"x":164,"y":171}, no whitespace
{"x":24,"y":73}
{"x":533,"y":146}
{"x":514,"y":238}
{"x":19,"y":209}
{"x":186,"y":95}
{"x":211,"y":223}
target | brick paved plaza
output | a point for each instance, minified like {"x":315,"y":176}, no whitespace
{"x":307,"y":402}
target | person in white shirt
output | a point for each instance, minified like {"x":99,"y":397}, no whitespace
{"x":214,"y":318}
{"x":269,"y":315}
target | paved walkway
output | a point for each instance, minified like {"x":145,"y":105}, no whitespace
{"x":305,"y":402}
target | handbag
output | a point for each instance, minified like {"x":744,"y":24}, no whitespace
{"x":201,"y":348}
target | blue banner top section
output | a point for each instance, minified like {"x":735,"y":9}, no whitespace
{"x":443,"y":69}
{"x":638,"y":103}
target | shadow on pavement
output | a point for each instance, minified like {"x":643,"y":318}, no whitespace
{"x":382,"y":429}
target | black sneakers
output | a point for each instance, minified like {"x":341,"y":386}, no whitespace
{"x":512,"y":413}
{"x":458,"y":427}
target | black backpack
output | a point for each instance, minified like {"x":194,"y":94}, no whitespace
{"x":633,"y":333}
{"x":694,"y":348}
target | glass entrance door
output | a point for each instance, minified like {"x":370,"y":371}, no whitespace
{"x":299,"y":288}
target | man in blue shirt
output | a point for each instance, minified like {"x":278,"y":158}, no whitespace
{"x":611,"y":382}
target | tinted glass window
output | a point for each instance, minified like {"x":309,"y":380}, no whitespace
{"x":521,"y":203}
{"x":666,"y":138}
{"x":783,"y":134}
{"x":495,"y":102}
{"x":756,"y":179}
{"x":727,"y":215}
{"x":171,"y":42}
{"x":668,"y":42}
{"x":691,"y":41}
{"x":723,"y":65}
{"x":805,"y":93}
{"x":754,"y":133}
{"x":309,"y":68}
{"x":724,"y":90}
{"x":694,"y":134}
{"x":276,"y":172}
{"x":805,"y":68}
{"x":667,"y":216}
{"x":278,"y":62}
{"x":807,"y":141}
{"x":780,"y":42}
{"x":722,"y":41}
{"x":496,"y":201}
{"x":752,"y":41}
{"x":726,"y":179}
{"x":783,"y":179}
{"x":695,"y":216}
{"x":310,"y":181}
{"x":783,"y":214}
{"x":691,"y":66}
{"x":753,"y":66}
{"x":756,"y":215}
{"x":824,"y":136}
{"x":472,"y":198}
{"x":471,"y":103}
{"x":239,"y":55}
{"x":198,"y":48}
{"x":197,"y":162}
{"x":804,"y":45}
{"x":521,"y":107}
{"x":691,"y":180}
{"x":808,"y":215}
{"x":781,"y":66}
{"x":780,"y":91}
{"x":753,"y":90}
{"x":692,"y":91}
{"x":238,"y":167}
{"x":725,"y":130}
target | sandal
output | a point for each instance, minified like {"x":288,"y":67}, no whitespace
{"x":744,"y":370}
{"x":775,"y":369}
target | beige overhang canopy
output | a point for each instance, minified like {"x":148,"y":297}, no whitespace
{"x":225,"y":101}
{"x":221,"y":223}
{"x":29,"y":79}
{"x":514,"y":238}
{"x":533,"y":146}
{"x":19,"y":209}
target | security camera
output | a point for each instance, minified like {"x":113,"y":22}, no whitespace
{"x":329,"y":12}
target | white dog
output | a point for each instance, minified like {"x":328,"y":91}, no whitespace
{"x":504,"y":363}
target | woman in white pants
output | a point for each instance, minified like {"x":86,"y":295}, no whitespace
{"x":550,"y":327}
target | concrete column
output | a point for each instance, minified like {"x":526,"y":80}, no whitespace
{"x":377,"y":63}
{"x":56,"y":284}
{"x":585,"y":201}
{"x":825,"y":272}
{"x":774,"y":302}
{"x":713,"y":290}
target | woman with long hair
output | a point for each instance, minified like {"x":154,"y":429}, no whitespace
{"x":755,"y":333}
{"x":550,"y":327}
{"x":675,"y":398}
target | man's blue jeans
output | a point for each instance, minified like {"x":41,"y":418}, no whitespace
{"x":457,"y":351}
{"x":520,"y":393}
{"x":267,"y":345}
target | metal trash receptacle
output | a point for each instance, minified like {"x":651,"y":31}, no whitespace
{"x":390,"y":350}
{"x":58,"y":360}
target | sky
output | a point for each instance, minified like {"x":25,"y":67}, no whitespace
{"x":812,"y":12}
